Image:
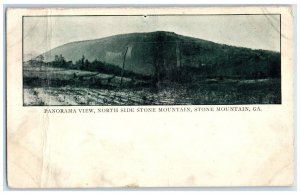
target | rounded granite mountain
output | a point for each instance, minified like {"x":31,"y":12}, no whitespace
{"x":166,"y":53}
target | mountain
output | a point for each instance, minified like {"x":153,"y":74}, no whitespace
{"x":167,"y":55}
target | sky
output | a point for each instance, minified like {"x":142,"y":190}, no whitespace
{"x":41,"y":34}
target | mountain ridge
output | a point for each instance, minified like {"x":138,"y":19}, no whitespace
{"x":111,"y":36}
{"x":163,"y":52}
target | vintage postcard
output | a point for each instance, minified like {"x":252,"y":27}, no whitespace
{"x":150,"y":97}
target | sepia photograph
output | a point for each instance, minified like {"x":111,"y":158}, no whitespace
{"x":179,"y":59}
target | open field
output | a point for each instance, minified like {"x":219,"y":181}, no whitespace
{"x":67,"y":90}
{"x":59,"y":77}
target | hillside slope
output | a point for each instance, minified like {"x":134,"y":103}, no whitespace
{"x":166,"y":55}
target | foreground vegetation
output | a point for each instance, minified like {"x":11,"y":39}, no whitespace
{"x":61,"y":83}
{"x":201,"y":93}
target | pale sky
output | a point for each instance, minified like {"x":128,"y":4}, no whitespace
{"x":253,"y":31}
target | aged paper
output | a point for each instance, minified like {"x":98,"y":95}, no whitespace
{"x":150,"y":97}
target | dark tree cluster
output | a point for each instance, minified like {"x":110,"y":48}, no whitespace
{"x":84,"y":64}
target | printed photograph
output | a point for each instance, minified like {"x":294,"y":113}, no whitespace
{"x":129,"y":60}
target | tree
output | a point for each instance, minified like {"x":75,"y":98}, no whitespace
{"x":40,"y":58}
{"x":87,"y":64}
{"x":59,"y":61}
{"x":80,"y":63}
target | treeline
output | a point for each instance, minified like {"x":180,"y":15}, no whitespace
{"x":215,"y":60}
{"x":181,"y":58}
{"x":85,"y":65}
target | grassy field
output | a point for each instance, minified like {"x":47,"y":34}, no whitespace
{"x":66,"y":89}
{"x":58,"y":77}
{"x":57,"y":86}
{"x":261,"y":91}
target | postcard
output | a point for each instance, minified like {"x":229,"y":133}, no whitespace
{"x":150,"y":97}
